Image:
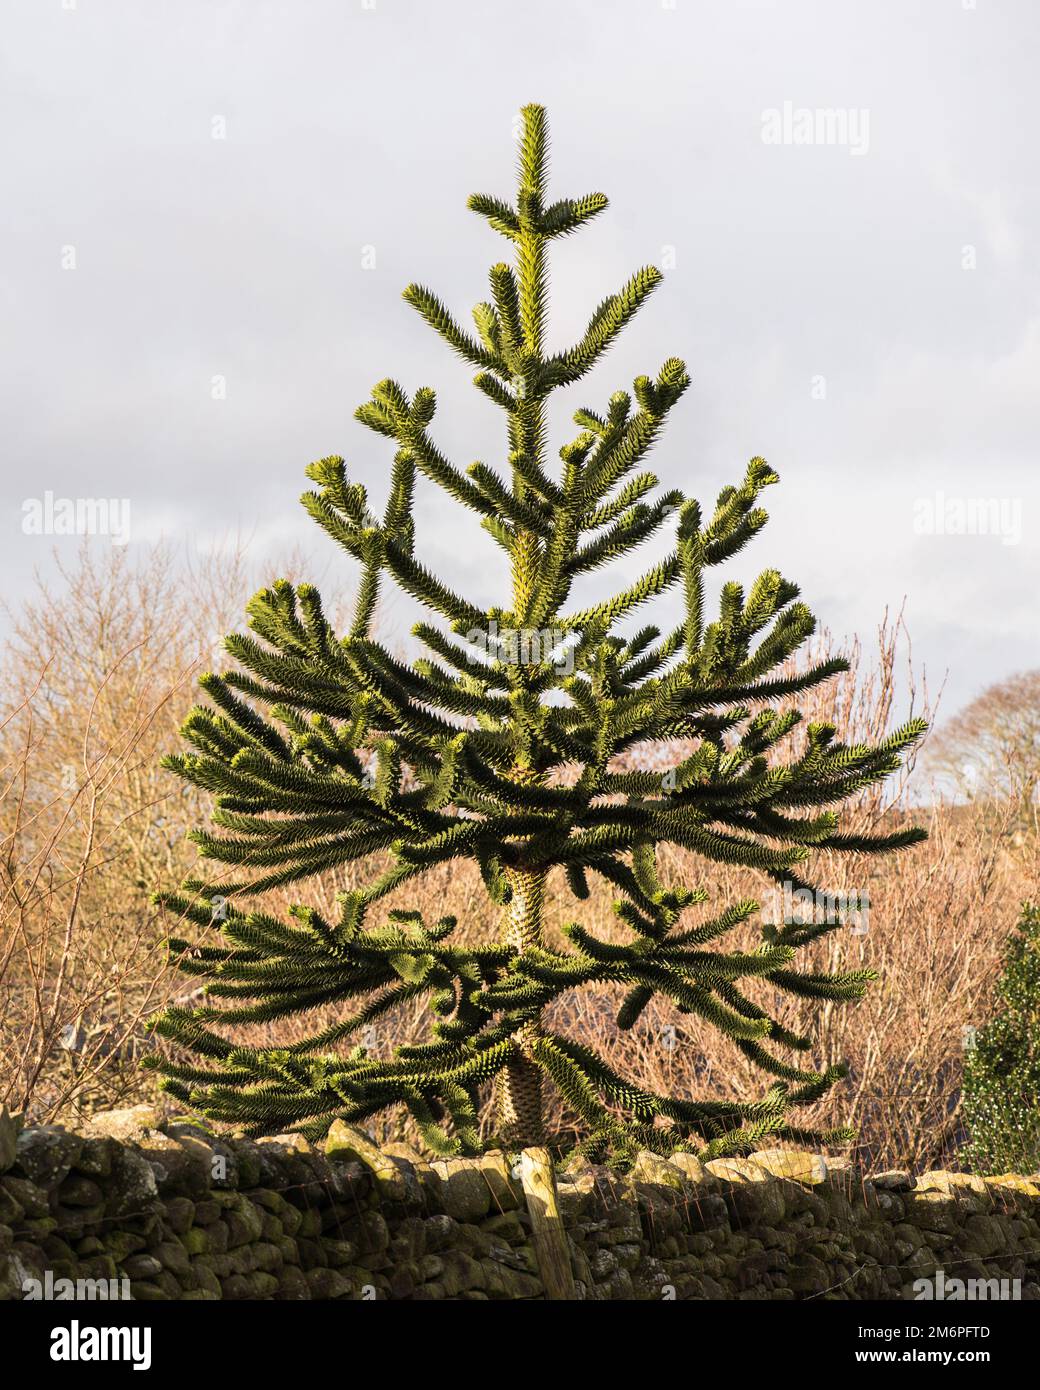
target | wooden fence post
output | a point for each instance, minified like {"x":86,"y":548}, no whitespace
{"x":551,"y":1246}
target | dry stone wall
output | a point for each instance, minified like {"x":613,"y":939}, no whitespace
{"x":134,"y":1205}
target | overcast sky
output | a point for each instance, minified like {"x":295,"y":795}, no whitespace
{"x":196,"y":190}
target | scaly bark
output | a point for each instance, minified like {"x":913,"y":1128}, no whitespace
{"x":520,"y":1082}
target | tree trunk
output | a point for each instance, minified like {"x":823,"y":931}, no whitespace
{"x":519,"y":1083}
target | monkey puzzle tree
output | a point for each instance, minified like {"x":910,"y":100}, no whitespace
{"x":502,"y":747}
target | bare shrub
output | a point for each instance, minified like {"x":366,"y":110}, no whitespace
{"x":98,"y":675}
{"x":79,"y":968}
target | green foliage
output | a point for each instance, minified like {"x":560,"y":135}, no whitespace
{"x":322,"y":749}
{"x":1001,"y":1098}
